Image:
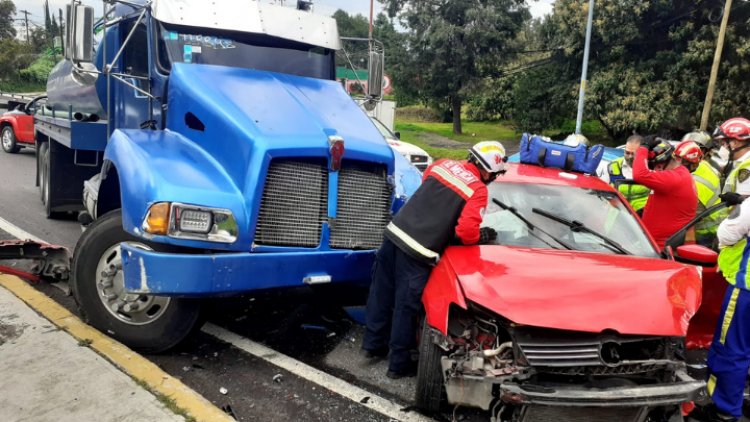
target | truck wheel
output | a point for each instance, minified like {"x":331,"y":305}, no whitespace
{"x":143,"y":322}
{"x":40,"y":178}
{"x":430,"y":382}
{"x":9,"y":140}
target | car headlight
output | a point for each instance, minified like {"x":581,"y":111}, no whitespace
{"x":191,"y":222}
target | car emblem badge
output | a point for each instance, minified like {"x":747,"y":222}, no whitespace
{"x":336,"y":150}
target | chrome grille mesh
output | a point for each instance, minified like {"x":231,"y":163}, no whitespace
{"x":294,"y":204}
{"x":561,"y":354}
{"x":363,"y":209}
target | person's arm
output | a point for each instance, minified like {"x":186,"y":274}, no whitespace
{"x":467,"y":229}
{"x":655,"y":180}
{"x":735,"y":227}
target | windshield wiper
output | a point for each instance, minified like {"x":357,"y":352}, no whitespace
{"x":531,"y":226}
{"x":577,"y":226}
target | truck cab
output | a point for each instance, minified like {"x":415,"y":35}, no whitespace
{"x":215,"y":154}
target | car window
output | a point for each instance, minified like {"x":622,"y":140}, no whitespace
{"x":383,"y":130}
{"x":600,"y":211}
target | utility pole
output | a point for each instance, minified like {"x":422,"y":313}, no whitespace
{"x":370,"y":36}
{"x":62,"y":37}
{"x":715,"y":66}
{"x":26,"y":18}
{"x":584,"y":72}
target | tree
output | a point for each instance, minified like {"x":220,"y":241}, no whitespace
{"x":7,"y":12}
{"x":453,"y":43}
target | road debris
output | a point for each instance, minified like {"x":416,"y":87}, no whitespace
{"x":277,"y":378}
{"x":223,"y":391}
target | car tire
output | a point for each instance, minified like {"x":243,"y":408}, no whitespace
{"x":8,"y":140}
{"x":430,"y":383}
{"x":153,"y":323}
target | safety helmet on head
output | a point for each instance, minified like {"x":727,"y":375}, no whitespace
{"x":661,"y":153}
{"x":736,"y":128}
{"x":701,"y":137}
{"x":575,"y":139}
{"x":489,"y":155}
{"x":689,"y":151}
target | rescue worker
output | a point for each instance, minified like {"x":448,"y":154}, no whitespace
{"x":622,"y":169}
{"x":447,"y":207}
{"x":673,"y":200}
{"x":708,"y":186}
{"x":734,"y":134}
{"x":729,"y":354}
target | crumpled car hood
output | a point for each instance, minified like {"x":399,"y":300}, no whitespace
{"x":581,"y":291}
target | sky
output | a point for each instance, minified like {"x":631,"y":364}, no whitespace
{"x":325,"y":7}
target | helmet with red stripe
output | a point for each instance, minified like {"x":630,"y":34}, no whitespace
{"x":736,"y":128}
{"x":688,"y":151}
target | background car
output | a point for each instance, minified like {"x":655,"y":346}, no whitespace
{"x":17,"y":125}
{"x":571,"y":313}
{"x":414,"y":154}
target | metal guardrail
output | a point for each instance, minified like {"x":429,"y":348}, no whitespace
{"x":19,"y":96}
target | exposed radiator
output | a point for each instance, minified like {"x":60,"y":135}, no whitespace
{"x":363,"y":209}
{"x":294,"y":204}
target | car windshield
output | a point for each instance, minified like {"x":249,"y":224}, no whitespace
{"x":236,"y":49}
{"x":600,"y":211}
{"x":387,"y":134}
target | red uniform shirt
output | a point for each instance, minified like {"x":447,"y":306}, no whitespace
{"x":673,"y":198}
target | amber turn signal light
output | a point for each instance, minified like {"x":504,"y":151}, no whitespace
{"x":157,"y":219}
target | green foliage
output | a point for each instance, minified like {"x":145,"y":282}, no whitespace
{"x":417,"y":113}
{"x":451,"y":44}
{"x":7,"y":12}
{"x":40,"y":69}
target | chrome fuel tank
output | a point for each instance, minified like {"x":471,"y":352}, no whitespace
{"x":68,"y":87}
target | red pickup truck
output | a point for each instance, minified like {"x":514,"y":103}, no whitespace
{"x":17,"y":125}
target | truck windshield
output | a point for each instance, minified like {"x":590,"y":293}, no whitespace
{"x":235,"y":49}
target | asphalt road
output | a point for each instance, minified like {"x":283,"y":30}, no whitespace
{"x":296,"y":323}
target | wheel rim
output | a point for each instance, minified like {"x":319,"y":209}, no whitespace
{"x":7,"y":142}
{"x":132,"y":309}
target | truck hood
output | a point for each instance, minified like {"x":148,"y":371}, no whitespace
{"x":581,"y":291}
{"x":255,"y":115}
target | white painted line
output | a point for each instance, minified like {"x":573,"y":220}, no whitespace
{"x":352,"y":392}
{"x":18,"y":232}
{"x":336,"y":385}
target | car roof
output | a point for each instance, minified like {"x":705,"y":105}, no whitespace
{"x":531,"y":174}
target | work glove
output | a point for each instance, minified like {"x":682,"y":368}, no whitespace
{"x":732,"y":198}
{"x":486,"y":235}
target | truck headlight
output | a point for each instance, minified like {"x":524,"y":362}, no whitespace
{"x":192,"y":222}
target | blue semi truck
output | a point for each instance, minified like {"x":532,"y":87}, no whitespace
{"x":215,"y":154}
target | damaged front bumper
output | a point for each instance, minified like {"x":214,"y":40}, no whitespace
{"x":160,"y":273}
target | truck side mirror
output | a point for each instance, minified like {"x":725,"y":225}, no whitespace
{"x":80,"y":33}
{"x":375,"y":75}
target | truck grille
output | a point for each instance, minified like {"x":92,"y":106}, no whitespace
{"x":578,"y":414}
{"x":561,"y":354}
{"x":294,"y":204}
{"x":363,"y":209}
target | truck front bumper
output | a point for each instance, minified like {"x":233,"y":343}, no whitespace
{"x":158,"y":273}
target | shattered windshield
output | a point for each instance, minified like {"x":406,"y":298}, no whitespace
{"x":601,"y":211}
{"x":236,"y":49}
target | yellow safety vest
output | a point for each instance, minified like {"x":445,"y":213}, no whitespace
{"x":731,"y":184}
{"x":637,"y":195}
{"x":731,"y":260}
{"x":707,"y":181}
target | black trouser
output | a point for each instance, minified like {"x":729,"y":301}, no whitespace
{"x":394,"y":304}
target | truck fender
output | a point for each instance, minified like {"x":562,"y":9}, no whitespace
{"x":164,"y":166}
{"x":442,"y":291}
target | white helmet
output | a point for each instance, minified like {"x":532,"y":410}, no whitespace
{"x":575,"y":139}
{"x":490,"y":155}
{"x":702,"y":138}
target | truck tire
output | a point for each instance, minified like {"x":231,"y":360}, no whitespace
{"x":8,"y":138}
{"x":40,"y":169}
{"x":146,"y":323}
{"x":430,"y":383}
{"x":44,"y":185}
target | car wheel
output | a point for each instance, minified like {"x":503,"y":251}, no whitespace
{"x":8,"y":138}
{"x":143,"y":322}
{"x":430,"y":382}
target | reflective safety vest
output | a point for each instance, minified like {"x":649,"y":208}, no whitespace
{"x":637,"y":195}
{"x":731,"y":184}
{"x":731,"y":260}
{"x":707,"y":181}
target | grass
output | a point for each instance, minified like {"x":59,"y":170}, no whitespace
{"x":168,"y":402}
{"x":414,"y":132}
{"x":18,"y":87}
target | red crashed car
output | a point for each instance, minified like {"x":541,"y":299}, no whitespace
{"x":573,"y":314}
{"x":17,"y":125}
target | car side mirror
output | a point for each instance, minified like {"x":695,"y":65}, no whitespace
{"x":398,"y":135}
{"x":696,"y":255}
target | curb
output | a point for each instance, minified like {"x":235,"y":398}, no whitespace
{"x":128,"y":361}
